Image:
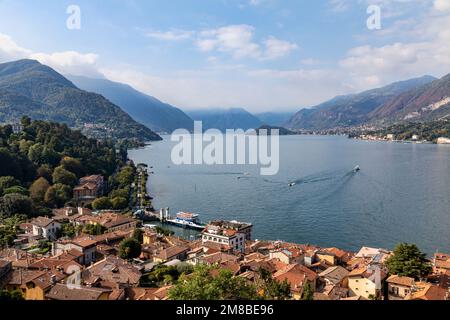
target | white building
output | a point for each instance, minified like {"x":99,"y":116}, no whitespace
{"x":45,"y":227}
{"x":223,"y":236}
{"x":443,"y":140}
{"x":85,"y":245}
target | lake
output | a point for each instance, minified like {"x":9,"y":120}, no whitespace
{"x":401,"y":193}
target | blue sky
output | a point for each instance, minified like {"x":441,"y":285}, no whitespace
{"x":263,"y":55}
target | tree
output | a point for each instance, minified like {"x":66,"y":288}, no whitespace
{"x":14,"y":295}
{"x":129,"y":249}
{"x":16,"y":189}
{"x":8,"y":182}
{"x":201,"y":285}
{"x":73,"y":165}
{"x":102,"y":203}
{"x":94,"y":229}
{"x":125,"y":176}
{"x":10,"y":164}
{"x":12,"y":204}
{"x":273,"y":289}
{"x":308,"y":292}
{"x":61,"y":175}
{"x":8,"y":230}
{"x":36,"y":153}
{"x":408,"y":261}
{"x":63,"y":194}
{"x":38,"y":189}
{"x":50,"y":197}
{"x":119,"y":203}
{"x":70,"y":230}
{"x":124,"y":193}
{"x":45,"y":171}
{"x":138,"y":234}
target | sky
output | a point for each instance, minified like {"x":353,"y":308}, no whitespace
{"x":262,"y":55}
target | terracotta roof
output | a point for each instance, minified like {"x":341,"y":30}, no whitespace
{"x":57,"y":263}
{"x":63,"y":292}
{"x":334,"y":274}
{"x":4,"y":263}
{"x":218,"y":257}
{"x":428,"y":291}
{"x":42,"y":222}
{"x":111,"y":220}
{"x":84,"y":242}
{"x":19,"y":277}
{"x":234,"y":267}
{"x":294,"y":276}
{"x":114,"y":270}
{"x":18,"y":258}
{"x":45,"y":279}
{"x":404,"y":281}
{"x":92,"y":178}
{"x":171,"y":252}
{"x":85,"y":186}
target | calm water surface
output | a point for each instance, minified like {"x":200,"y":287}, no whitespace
{"x":401,"y":194}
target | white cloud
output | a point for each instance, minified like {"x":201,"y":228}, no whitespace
{"x":427,"y":53}
{"x":9,"y":50}
{"x":171,"y":35}
{"x":70,"y":62}
{"x":276,"y":48}
{"x":238,"y":40}
{"x":234,"y":39}
{"x":67,"y":62}
{"x":442,"y":5}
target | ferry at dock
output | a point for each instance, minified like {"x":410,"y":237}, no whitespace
{"x":187,"y":220}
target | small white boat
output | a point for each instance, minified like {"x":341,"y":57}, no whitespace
{"x":292,"y":184}
{"x":356,"y":169}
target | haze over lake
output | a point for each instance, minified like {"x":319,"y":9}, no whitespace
{"x":400,"y":195}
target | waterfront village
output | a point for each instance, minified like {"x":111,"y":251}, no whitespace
{"x":132,"y":260}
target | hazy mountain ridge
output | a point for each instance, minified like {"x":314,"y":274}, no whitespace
{"x":33,"y":89}
{"x":145,"y":109}
{"x":274,"y":118}
{"x":223,"y":119}
{"x":352,"y":110}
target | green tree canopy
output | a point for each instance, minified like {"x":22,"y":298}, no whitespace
{"x":125,"y":177}
{"x":63,"y":194}
{"x":8,"y":182}
{"x":73,"y":165}
{"x":130,"y":248}
{"x":45,"y":171}
{"x":16,"y":189}
{"x":38,"y":189}
{"x":119,"y":203}
{"x":13,"y":204}
{"x":102,"y":203}
{"x":272,"y":289}
{"x":63,"y":176}
{"x":409,"y":261}
{"x":202,"y":285}
{"x":308,"y":292}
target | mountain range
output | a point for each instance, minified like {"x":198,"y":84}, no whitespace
{"x":30,"y":88}
{"x":395,"y":102}
{"x":274,"y":118}
{"x":223,"y":119}
{"x":151,"y":112}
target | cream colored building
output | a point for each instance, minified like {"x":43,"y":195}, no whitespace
{"x":366,"y":282}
